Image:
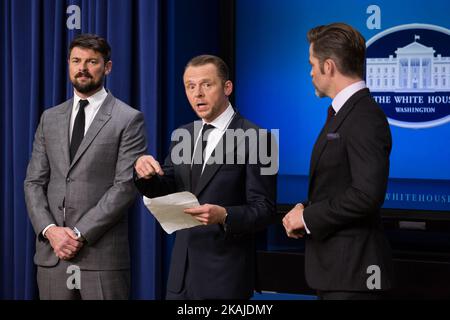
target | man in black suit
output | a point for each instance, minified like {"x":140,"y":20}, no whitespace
{"x":346,"y":254}
{"x":237,"y":196}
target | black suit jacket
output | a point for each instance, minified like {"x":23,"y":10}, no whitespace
{"x":221,"y":260}
{"x":348,"y":178}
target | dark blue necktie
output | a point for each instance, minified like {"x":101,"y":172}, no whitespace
{"x":330,"y":113}
{"x":199,"y":155}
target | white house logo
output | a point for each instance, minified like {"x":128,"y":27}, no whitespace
{"x":408,"y":73}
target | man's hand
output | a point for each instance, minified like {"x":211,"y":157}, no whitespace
{"x":293,"y":222}
{"x":208,"y":213}
{"x":64,"y":242}
{"x":146,"y":167}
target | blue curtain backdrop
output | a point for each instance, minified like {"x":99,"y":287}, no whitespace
{"x":151,"y":42}
{"x":179,"y":44}
{"x":34,"y":41}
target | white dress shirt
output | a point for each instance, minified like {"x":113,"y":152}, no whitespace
{"x":95,"y":101}
{"x":220,"y":124}
{"x":345,"y":94}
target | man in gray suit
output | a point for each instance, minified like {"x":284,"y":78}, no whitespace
{"x":79,"y":183}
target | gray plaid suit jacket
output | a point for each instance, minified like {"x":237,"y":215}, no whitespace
{"x":96,"y":189}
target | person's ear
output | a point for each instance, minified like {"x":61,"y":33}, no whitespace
{"x":331,"y":68}
{"x":228,"y":87}
{"x":328,"y":66}
{"x":108,"y":67}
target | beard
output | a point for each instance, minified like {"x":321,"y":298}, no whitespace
{"x":90,"y":86}
{"x":319,"y":93}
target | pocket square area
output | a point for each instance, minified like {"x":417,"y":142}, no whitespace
{"x":333,"y":136}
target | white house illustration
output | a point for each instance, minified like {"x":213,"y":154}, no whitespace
{"x":414,"y":69}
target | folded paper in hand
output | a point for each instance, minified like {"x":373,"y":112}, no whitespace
{"x":168,"y":210}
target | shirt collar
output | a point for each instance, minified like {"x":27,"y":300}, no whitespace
{"x":345,"y":94}
{"x":95,"y":100}
{"x":222,"y":121}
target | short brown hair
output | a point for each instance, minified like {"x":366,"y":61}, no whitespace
{"x":222,"y":68}
{"x":94,"y":42}
{"x":343,"y":44}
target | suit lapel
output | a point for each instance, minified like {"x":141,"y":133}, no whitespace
{"x":331,"y":127}
{"x":185,"y":168}
{"x":318,"y":148}
{"x":101,"y":118}
{"x":211,"y":169}
{"x":347,"y":108}
{"x":63,"y":130}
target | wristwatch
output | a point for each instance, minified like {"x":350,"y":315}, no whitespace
{"x":78,"y":233}
{"x":224,"y":222}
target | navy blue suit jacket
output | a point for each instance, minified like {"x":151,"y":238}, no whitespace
{"x":349,"y":170}
{"x":221,"y":259}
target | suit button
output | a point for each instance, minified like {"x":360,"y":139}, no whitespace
{"x":68,"y":179}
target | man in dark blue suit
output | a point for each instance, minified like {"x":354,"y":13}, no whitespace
{"x":235,"y":188}
{"x":346,"y":254}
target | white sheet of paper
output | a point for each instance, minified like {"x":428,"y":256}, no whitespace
{"x":168,"y":210}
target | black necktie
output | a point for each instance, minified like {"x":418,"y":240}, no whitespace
{"x":199,"y":155}
{"x":78,"y":129}
{"x":330,"y":114}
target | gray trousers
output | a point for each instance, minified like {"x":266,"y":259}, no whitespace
{"x":64,"y":282}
